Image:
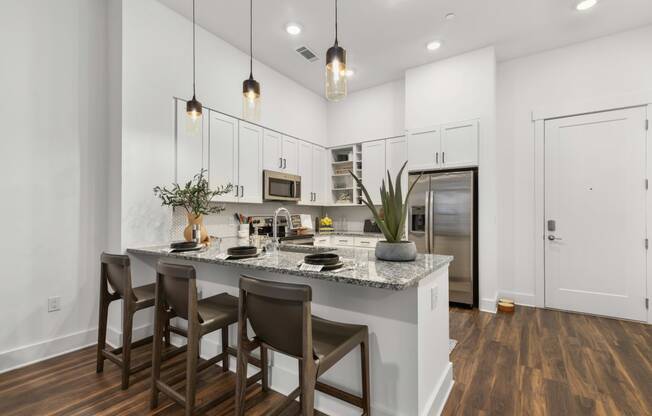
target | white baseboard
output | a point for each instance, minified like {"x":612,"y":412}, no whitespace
{"x":439,"y":397}
{"x":33,"y":353}
{"x":488,"y":305}
{"x":523,"y":299}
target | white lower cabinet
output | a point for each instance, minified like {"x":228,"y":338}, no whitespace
{"x":365,"y":242}
{"x":342,"y":241}
{"x":323,"y":241}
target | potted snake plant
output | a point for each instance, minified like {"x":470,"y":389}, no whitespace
{"x":392,"y":223}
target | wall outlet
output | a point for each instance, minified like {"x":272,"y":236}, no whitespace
{"x":54,"y":304}
{"x":434,"y":297}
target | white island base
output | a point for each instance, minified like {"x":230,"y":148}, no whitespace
{"x":410,"y":370}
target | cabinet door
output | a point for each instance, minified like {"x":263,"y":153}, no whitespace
{"x":397,"y":155}
{"x":290,"y":155}
{"x":319,"y":175}
{"x":250,"y":151}
{"x":305,"y":171}
{"x":459,"y":144}
{"x":191,"y":147}
{"x":373,"y":168}
{"x":272,"y":154}
{"x":223,"y":153}
{"x":424,"y":149}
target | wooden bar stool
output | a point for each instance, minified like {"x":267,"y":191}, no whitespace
{"x":176,"y":287}
{"x":116,"y":272}
{"x":280,"y":315}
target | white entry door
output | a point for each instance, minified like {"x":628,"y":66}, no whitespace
{"x":595,"y":255}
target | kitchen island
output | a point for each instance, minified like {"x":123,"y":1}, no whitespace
{"x":405,"y":306}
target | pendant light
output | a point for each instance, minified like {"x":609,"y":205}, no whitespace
{"x":193,"y":107}
{"x":251,"y":87}
{"x":335,"y":69}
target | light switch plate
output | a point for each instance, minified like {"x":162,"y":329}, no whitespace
{"x":54,"y":304}
{"x":434,"y":297}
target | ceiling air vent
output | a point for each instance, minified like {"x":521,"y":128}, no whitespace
{"x":307,"y":53}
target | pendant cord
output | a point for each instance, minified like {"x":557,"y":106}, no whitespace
{"x":336,"y":22}
{"x":193,"y":48}
{"x":251,"y":39}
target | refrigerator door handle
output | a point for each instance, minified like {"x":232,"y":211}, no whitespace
{"x":428,"y":222}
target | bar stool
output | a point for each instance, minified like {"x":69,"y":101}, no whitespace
{"x":280,"y":315}
{"x":176,"y":287}
{"x":116,"y":272}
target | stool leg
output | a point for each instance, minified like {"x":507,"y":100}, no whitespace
{"x":101,"y":331}
{"x":364,"y":353}
{"x":127,"y":326}
{"x":225,"y":347}
{"x":241,"y":382}
{"x":263,"y":364}
{"x":307,"y":383}
{"x":167,"y":333}
{"x":156,"y":355}
{"x":191,"y":366}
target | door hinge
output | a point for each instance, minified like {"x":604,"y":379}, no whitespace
{"x":647,"y":243}
{"x":647,"y":184}
{"x":647,"y":124}
{"x":647,"y":303}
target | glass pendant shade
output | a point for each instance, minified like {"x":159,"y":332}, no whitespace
{"x":336,"y":73}
{"x":194,"y":119}
{"x":251,"y":99}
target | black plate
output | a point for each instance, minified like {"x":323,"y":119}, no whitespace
{"x":323,"y":259}
{"x":242,"y":251}
{"x":183,"y":244}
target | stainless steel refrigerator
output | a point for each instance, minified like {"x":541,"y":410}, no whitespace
{"x":442,"y":220}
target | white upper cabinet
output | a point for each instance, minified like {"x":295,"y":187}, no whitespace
{"x":290,"y":155}
{"x":423,"y":149}
{"x":459,"y":144}
{"x":191,"y":147}
{"x":281,"y":152}
{"x":223,"y":154}
{"x":305,"y":170}
{"x":373,"y":168}
{"x":397,"y":155}
{"x":250,"y":160}
{"x":273,"y":153}
{"x":318,"y":175}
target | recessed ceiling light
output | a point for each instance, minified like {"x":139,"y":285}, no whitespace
{"x":293,"y":28}
{"x":434,"y":45}
{"x":349,"y":72}
{"x":450,"y":16}
{"x":586,"y":4}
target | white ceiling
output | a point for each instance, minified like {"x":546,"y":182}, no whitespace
{"x":385,"y":37}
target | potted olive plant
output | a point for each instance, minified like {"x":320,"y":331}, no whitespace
{"x":392,"y":223}
{"x":195,"y":197}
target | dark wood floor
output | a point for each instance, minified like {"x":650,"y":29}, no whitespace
{"x":68,"y":385}
{"x":535,"y":362}
{"x":542,"y":362}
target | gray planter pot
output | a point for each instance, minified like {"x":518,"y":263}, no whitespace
{"x":403,"y":251}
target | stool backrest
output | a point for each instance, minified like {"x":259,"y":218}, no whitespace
{"x":178,"y":282}
{"x":116,"y":269}
{"x":279,"y":314}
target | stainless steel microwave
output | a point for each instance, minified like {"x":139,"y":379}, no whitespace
{"x":279,"y":186}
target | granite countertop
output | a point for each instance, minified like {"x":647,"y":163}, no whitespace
{"x":352,"y":234}
{"x":360,"y":268}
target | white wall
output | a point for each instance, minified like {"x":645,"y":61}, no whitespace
{"x":458,"y":89}
{"x":54,"y":165}
{"x":373,"y":113}
{"x":157,"y":58}
{"x":577,"y":76}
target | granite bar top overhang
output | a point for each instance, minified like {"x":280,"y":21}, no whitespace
{"x":361,"y":268}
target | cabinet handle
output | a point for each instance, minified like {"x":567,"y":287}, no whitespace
{"x":285,"y":163}
{"x":443,"y":157}
{"x":364,"y":242}
{"x":280,"y":163}
{"x":237,"y":193}
{"x":437,"y":158}
{"x":242,"y":191}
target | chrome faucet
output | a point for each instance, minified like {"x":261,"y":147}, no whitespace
{"x":275,"y":222}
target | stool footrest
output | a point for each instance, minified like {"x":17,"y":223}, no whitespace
{"x":134,"y":344}
{"x":339,"y":394}
{"x":286,"y":402}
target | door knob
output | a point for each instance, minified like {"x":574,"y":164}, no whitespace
{"x":553,"y":238}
